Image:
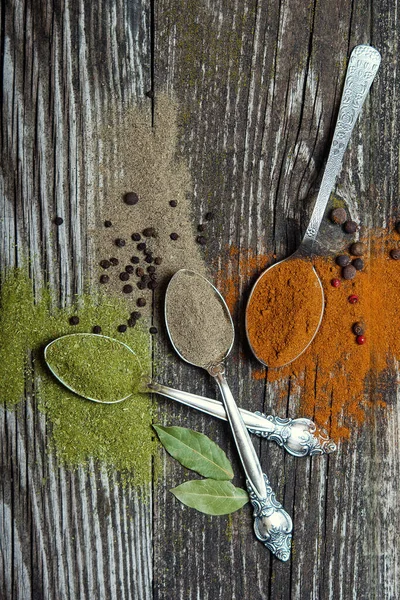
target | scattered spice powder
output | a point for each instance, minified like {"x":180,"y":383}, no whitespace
{"x":119,"y":435}
{"x":144,"y":162}
{"x":284,"y":311}
{"x":338,"y":383}
{"x":197,"y":319}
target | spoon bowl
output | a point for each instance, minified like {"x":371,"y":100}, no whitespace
{"x":285,"y":342}
{"x":76,"y":372}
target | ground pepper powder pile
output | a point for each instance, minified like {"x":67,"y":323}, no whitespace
{"x":283,"y":312}
{"x":339,"y":383}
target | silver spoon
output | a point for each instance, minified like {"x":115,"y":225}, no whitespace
{"x":272,"y":525}
{"x":362,"y":68}
{"x":300,"y":437}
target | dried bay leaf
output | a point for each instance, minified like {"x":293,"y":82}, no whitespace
{"x":195,"y":451}
{"x":211,"y":497}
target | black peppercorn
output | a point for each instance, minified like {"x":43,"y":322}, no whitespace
{"x":343,"y":260}
{"x":58,"y":221}
{"x":358,"y":264}
{"x":209,"y":216}
{"x":129,"y":269}
{"x":105,"y":264}
{"x":141,"y":246}
{"x":120,"y":243}
{"x":149,"y":232}
{"x":141,"y":302}
{"x":173,"y":203}
{"x":149,"y":258}
{"x":338,"y":216}
{"x":104,"y":279}
{"x":122,"y":328}
{"x":174,"y":236}
{"x":136,"y":315}
{"x":153,"y":330}
{"x":135,"y":260}
{"x":131,"y":198}
{"x":152,"y":284}
{"x":141,"y":285}
{"x":201,"y":240}
{"x":114,"y":261}
{"x":350,"y":227}
{"x":349,"y":272}
{"x":357,"y":249}
{"x":145,"y":278}
{"x":139,"y":272}
{"x":131,"y":322}
{"x":200,"y":227}
{"x":127,"y":289}
{"x":74,"y":320}
{"x":107,"y":224}
{"x":136,"y":237}
{"x":151,"y":269}
{"x":158,"y":260}
{"x":97,"y":329}
{"x":124,"y":276}
{"x":395,"y":253}
{"x":358,"y":328}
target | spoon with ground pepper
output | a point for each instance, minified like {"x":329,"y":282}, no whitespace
{"x":286,"y":304}
{"x":201,"y":330}
{"x":123,"y":375}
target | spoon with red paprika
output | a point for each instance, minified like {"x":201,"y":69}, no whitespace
{"x":286,"y":304}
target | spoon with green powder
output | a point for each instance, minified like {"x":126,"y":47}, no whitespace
{"x":201,"y":330}
{"x":77,"y":359}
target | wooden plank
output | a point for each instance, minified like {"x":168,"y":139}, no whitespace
{"x":259,"y":86}
{"x":65,"y":68}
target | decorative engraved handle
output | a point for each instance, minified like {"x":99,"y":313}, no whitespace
{"x":362,"y":68}
{"x":272,"y":525}
{"x":299,"y":437}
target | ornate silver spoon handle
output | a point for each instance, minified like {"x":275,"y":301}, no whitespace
{"x":299,"y":437}
{"x":362,"y":68}
{"x":272,"y":524}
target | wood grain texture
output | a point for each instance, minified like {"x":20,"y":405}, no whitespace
{"x":258,"y":86}
{"x":65,"y":67}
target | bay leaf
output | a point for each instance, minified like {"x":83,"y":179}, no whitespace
{"x":211,"y":497}
{"x":195,"y":451}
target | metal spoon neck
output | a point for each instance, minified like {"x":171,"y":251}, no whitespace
{"x":217,"y":370}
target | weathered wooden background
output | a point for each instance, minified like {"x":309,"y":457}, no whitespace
{"x":258,"y":85}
